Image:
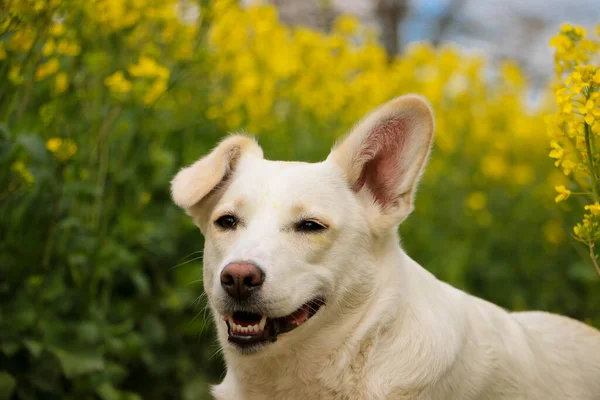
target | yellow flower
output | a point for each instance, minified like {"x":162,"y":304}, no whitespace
{"x":68,"y":48}
{"x":156,"y":90}
{"x":346,"y":24}
{"x":117,"y":83}
{"x":494,"y":166}
{"x":553,"y":232}
{"x":568,"y":166}
{"x":63,"y":150}
{"x":148,"y":68}
{"x":46,"y":69}
{"x":523,"y":174}
{"x":53,"y":144}
{"x":61,"y":82}
{"x":563,"y":193}
{"x":557,"y":152}
{"x":512,"y":73}
{"x":14,"y":75}
{"x":49,"y":48}
{"x":20,"y":168}
{"x":476,"y":201}
{"x":565,"y":28}
{"x":22,"y":40}
{"x":70,"y":149}
{"x":57,"y":29}
{"x":594,"y":209}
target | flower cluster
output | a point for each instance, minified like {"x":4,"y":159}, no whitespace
{"x":575,"y":126}
{"x":266,"y":75}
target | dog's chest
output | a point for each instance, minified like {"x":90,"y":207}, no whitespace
{"x":287,"y":389}
{"x":327,"y":379}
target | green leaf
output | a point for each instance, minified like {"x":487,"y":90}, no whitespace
{"x":196,"y":389}
{"x":4,"y":131}
{"x":10,"y":348}
{"x":107,"y":392}
{"x":76,"y":363}
{"x":7,"y":385}
{"x":35,"y":146}
{"x":34,"y":347}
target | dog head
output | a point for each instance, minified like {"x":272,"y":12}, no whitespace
{"x":289,"y":246}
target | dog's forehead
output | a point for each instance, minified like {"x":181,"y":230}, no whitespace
{"x":282,"y":181}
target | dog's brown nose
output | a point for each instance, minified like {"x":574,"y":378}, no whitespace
{"x":240,"y":279}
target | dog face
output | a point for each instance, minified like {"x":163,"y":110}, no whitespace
{"x":290,"y":247}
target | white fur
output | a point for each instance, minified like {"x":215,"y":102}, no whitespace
{"x":389,"y":329}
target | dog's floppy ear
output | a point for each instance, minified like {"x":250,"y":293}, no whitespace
{"x":385,"y":154}
{"x":194,"y":183}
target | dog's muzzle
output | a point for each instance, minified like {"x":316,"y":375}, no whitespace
{"x":247,"y":330}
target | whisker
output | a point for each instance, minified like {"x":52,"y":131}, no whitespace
{"x":194,"y":281}
{"x":185,"y":262}
{"x":192,"y":253}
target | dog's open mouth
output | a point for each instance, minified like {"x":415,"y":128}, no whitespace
{"x":247,"y":329}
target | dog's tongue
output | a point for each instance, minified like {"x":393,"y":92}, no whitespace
{"x":297,"y":317}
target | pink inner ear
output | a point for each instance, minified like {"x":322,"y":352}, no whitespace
{"x":383,"y":170}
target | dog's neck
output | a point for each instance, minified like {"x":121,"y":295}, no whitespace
{"x":349,"y":340}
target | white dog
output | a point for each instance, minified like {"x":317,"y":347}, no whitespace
{"x":313,"y":298}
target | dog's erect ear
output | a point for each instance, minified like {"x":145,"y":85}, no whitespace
{"x":193,"y":183}
{"x":385,"y":154}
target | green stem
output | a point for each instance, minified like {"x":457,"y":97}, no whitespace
{"x":594,"y":257}
{"x":50,"y":236}
{"x":591,"y":161}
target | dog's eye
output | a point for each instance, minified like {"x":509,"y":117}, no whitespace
{"x":227,"y":221}
{"x":309,"y":225}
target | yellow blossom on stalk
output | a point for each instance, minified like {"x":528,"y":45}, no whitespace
{"x":575,"y":126}
{"x":563,"y":193}
{"x":494,"y":166}
{"x":557,"y":152}
{"x":25,"y":174}
{"x":147,"y":67}
{"x":63,"y":149}
{"x":22,"y":40}
{"x":61,"y":82}
{"x":57,"y":29}
{"x":14,"y":75}
{"x":68,"y":47}
{"x":156,"y":90}
{"x":49,"y":48}
{"x":346,"y":24}
{"x":476,"y":201}
{"x":568,"y":166}
{"x":46,"y":69}
{"x":594,"y":209}
{"x":53,"y":144}
{"x":117,"y":83}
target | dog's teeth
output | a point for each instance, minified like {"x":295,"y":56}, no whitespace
{"x":256,"y":328}
{"x":262,"y":323}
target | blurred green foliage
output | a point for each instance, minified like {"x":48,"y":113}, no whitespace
{"x":100,"y":275}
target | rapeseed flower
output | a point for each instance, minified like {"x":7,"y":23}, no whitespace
{"x":563,"y":193}
{"x":46,"y":69}
{"x":117,"y":83}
